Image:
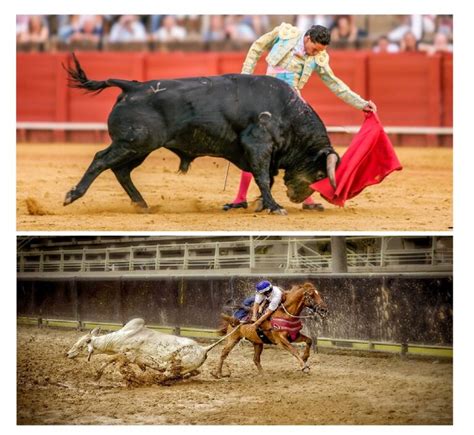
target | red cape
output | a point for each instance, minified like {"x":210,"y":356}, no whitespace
{"x":368,"y":160}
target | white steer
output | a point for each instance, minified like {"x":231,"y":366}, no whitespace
{"x":172,"y":356}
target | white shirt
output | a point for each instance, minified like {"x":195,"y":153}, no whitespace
{"x":274,"y":297}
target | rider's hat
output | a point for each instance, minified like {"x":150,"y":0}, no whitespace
{"x":264,"y":286}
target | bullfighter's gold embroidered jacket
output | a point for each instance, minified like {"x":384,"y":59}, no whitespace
{"x":280,"y":43}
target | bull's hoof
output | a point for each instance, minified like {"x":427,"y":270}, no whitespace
{"x":314,"y":207}
{"x":70,"y":197}
{"x":258,"y":205}
{"x":279,"y":211}
{"x":141,"y":207}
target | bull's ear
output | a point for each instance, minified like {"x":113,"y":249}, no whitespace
{"x":95,"y":331}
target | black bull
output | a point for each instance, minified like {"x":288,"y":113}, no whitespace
{"x":256,"y":122}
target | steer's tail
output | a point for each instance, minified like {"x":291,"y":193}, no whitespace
{"x":78,"y":79}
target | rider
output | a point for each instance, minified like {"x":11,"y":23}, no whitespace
{"x":265,"y":292}
{"x":243,"y":312}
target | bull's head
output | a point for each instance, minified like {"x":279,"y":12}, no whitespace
{"x":298,"y":180}
{"x":83,"y":343}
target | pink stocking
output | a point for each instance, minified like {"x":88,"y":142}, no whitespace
{"x":245,"y":179}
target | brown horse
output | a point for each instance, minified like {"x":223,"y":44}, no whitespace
{"x":279,"y":328}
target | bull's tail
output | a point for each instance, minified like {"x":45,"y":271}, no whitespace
{"x":78,"y":79}
{"x":213,"y":345}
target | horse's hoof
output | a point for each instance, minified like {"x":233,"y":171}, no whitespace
{"x":305,"y":369}
{"x":216,"y":375}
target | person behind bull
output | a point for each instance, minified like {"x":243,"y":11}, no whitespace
{"x":267,"y":297}
{"x":243,"y":312}
{"x":293,"y":57}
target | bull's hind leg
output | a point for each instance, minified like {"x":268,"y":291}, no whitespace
{"x":117,"y":154}
{"x":123,"y":176}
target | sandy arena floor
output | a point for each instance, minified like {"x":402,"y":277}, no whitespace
{"x":341,"y":389}
{"x":417,"y":198}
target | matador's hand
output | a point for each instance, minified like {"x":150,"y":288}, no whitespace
{"x":370,"y":107}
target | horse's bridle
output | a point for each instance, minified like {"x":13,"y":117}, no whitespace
{"x":309,"y":303}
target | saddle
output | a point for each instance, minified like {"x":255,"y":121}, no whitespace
{"x":292,"y":326}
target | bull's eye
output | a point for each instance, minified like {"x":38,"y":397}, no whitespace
{"x":320,"y":175}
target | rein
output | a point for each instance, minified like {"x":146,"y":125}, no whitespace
{"x":297,"y":317}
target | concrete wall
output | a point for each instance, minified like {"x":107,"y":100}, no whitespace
{"x":379,"y":308}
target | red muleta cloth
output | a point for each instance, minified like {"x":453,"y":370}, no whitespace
{"x":368,"y":160}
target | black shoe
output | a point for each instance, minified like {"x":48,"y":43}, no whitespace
{"x":242,"y":204}
{"x":317,"y":207}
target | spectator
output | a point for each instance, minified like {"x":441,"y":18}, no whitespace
{"x":155,"y":23}
{"x":409,"y":44}
{"x":192,"y":23}
{"x":304,"y":22}
{"x":419,"y":25}
{"x":21,"y":24}
{"x":345,"y":31}
{"x":68,"y":24}
{"x":383,"y":45}
{"x":238,"y":29}
{"x":170,"y":30}
{"x":128,"y":29}
{"x":214,"y":29}
{"x":440,"y":44}
{"x":258,"y":23}
{"x":36,"y":31}
{"x":444,"y":24}
{"x":89,"y":29}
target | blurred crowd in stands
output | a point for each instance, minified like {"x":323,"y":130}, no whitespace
{"x":380,"y":33}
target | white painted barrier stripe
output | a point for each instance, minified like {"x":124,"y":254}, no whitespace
{"x":350,"y":129}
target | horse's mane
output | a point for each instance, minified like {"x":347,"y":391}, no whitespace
{"x":294,"y":287}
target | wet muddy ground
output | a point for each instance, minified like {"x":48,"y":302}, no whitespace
{"x":342,"y":388}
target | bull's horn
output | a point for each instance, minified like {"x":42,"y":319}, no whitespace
{"x":89,"y":356}
{"x":331,"y":161}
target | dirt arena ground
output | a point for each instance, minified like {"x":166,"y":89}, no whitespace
{"x":419,"y":198}
{"x":341,"y":389}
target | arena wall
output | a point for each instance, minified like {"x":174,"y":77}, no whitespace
{"x":391,"y":308}
{"x":410,"y":89}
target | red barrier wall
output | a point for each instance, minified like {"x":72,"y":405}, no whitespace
{"x":409,"y":89}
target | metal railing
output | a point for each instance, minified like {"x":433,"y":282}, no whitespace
{"x":348,"y":129}
{"x":250,"y":255}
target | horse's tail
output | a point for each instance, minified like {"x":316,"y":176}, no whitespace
{"x":230,"y":320}
{"x":78,"y":79}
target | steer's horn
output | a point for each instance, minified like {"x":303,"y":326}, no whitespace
{"x":331,"y":161}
